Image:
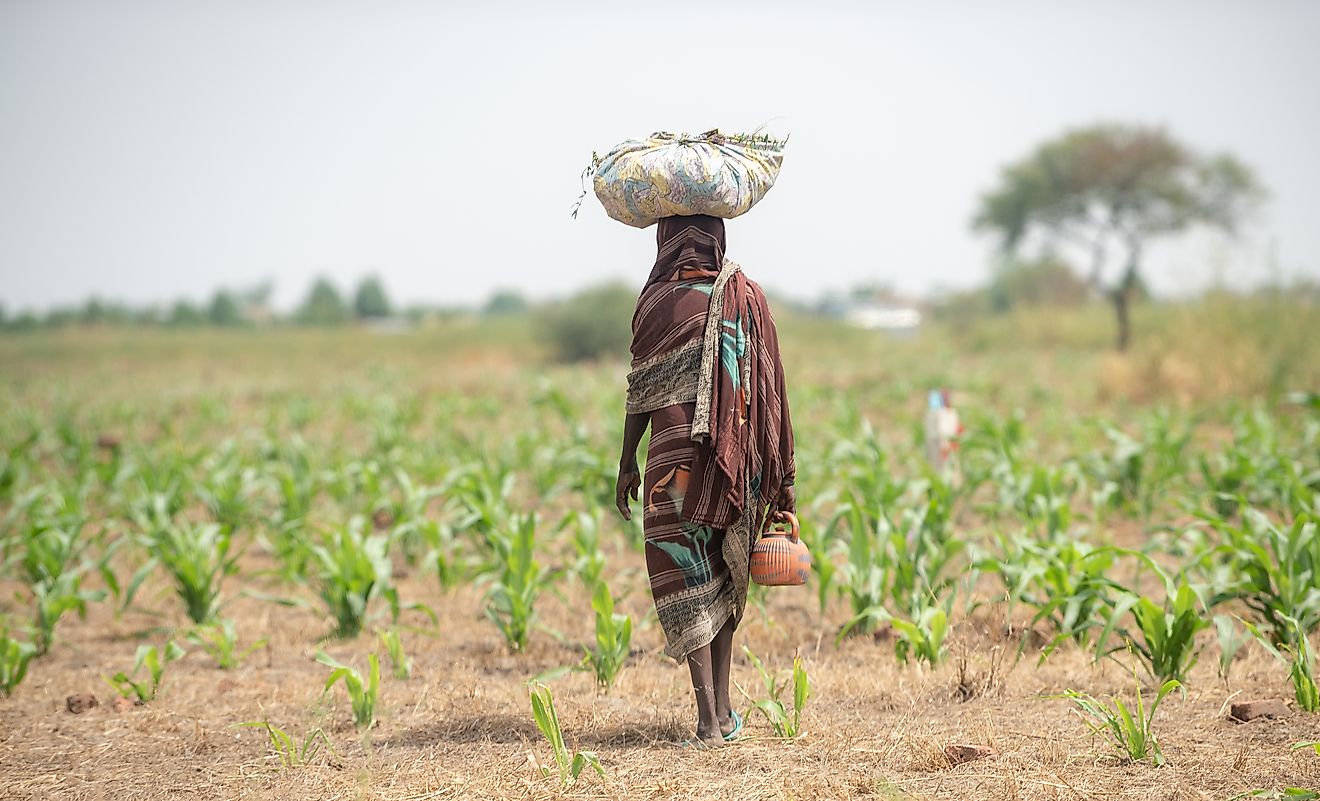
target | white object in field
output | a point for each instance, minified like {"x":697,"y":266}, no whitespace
{"x":942,"y":429}
{"x":678,"y":175}
{"x":885,"y":318}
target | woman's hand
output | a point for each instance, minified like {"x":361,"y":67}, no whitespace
{"x":628,"y":484}
{"x":786,"y":502}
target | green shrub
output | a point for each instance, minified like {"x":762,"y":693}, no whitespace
{"x":591,"y":325}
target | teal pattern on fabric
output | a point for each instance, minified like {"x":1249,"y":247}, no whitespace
{"x":692,"y":559}
{"x":704,"y":287}
{"x":733,"y":347}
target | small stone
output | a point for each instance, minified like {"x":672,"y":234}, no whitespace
{"x":382,"y":519}
{"x":79,"y":703}
{"x":959,"y":753}
{"x":108,"y":442}
{"x":1244,"y":711}
{"x":122,"y":704}
{"x":225,"y":685}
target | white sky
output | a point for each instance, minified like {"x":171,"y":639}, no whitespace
{"x":150,"y":150}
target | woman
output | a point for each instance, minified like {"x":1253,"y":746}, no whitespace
{"x":707,"y":378}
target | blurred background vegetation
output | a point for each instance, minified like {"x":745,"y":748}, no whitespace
{"x":1072,"y":220}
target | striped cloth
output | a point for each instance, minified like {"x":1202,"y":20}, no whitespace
{"x":706,"y":369}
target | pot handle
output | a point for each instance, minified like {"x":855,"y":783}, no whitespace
{"x":781,"y":518}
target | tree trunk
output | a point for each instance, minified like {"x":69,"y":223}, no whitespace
{"x":1121,"y":298}
{"x":1122,"y":295}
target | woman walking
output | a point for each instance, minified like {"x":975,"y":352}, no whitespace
{"x":706,"y":377}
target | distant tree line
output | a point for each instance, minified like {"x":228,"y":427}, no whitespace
{"x":227,"y":308}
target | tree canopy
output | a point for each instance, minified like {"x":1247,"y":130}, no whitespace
{"x":370,"y":300}
{"x":1107,"y":190}
{"x":323,"y":306}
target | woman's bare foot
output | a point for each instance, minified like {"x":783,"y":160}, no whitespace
{"x":711,"y":740}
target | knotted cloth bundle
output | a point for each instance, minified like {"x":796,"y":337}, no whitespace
{"x":679,"y":175}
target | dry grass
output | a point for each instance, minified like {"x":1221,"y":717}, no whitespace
{"x":461,"y":727}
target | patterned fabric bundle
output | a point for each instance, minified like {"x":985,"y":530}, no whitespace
{"x":674,"y":175}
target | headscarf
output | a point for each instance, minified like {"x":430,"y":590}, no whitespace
{"x":688,"y":247}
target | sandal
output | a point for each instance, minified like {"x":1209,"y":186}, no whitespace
{"x":737,"y":727}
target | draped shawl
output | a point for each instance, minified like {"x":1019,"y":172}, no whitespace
{"x":729,"y":367}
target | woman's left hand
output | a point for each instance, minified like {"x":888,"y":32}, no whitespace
{"x":628,"y":483}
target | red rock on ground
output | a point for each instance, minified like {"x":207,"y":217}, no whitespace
{"x":959,"y":753}
{"x":122,"y":704}
{"x":1244,"y":711}
{"x":79,"y":703}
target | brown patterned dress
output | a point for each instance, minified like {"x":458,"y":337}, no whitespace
{"x":706,"y":369}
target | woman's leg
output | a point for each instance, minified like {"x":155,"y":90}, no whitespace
{"x":721,"y":651}
{"x":700,"y":665}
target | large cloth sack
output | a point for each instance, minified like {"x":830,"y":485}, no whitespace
{"x":673,"y":175}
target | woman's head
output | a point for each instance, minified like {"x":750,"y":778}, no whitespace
{"x":688,"y":243}
{"x":671,"y":227}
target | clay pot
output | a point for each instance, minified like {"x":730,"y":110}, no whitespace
{"x":780,"y":558}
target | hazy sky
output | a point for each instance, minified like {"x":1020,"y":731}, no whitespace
{"x":150,"y":150}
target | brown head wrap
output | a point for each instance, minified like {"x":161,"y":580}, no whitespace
{"x":687,"y":247}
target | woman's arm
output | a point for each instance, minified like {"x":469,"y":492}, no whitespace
{"x":630,"y":479}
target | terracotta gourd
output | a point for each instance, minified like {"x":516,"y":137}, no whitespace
{"x":780,"y":558}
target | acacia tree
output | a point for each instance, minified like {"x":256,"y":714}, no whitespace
{"x":1108,"y":190}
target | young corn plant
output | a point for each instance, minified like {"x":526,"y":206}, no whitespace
{"x":568,"y":765}
{"x":826,"y":568}
{"x":866,"y":574}
{"x":220,"y":641}
{"x":290,"y":753}
{"x":1230,"y":641}
{"x":1275,"y":571}
{"x":14,"y":659}
{"x":922,"y":638}
{"x":1066,"y":583}
{"x":787,"y":725}
{"x":1130,"y":731}
{"x":155,"y":661}
{"x":445,"y":553}
{"x":1164,"y":637}
{"x":362,"y":692}
{"x":921,"y":547}
{"x":1300,"y":658}
{"x":53,"y":566}
{"x":407,"y":515}
{"x":399,"y":660}
{"x":590,"y":561}
{"x":297,"y":485}
{"x":516,"y":582}
{"x":227,"y":491}
{"x":197,"y":558}
{"x":349,"y":569}
{"x":1286,"y":794}
{"x":613,"y":639}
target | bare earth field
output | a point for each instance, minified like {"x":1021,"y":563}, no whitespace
{"x":461,"y":726}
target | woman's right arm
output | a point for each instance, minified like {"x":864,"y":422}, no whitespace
{"x":630,"y":478}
